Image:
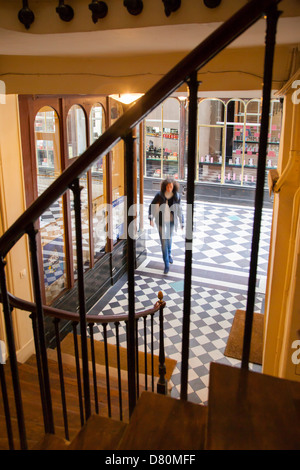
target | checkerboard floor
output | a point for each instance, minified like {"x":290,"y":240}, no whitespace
{"x":221,"y":257}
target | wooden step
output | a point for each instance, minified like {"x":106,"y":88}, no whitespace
{"x":161,"y":422}
{"x":98,"y":433}
{"x":30,"y":392}
{"x":67,"y":346}
{"x":249,"y":411}
{"x":51,"y":442}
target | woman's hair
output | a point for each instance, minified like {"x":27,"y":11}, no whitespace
{"x":169,"y":181}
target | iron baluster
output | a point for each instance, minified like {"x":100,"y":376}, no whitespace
{"x":6,"y":408}
{"x":152,"y":354}
{"x":137,"y":359}
{"x":61,"y":377}
{"x":162,"y":384}
{"x":272,"y":18}
{"x":145,"y":353}
{"x":39,"y":367}
{"x":119,"y":370}
{"x":76,"y":188}
{"x":91,"y":328}
{"x":131,"y":339}
{"x":107,"y":368}
{"x":40,"y":326}
{"x":76,"y":352}
{"x":192,"y":133}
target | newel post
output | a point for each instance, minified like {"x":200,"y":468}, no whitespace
{"x":162,"y":384}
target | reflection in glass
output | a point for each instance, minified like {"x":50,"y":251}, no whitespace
{"x":76,"y":131}
{"x":51,"y":222}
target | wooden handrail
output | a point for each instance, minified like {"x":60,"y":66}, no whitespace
{"x":74,"y":317}
{"x":197,"y":58}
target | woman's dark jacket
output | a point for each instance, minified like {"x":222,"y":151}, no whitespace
{"x":175,"y":209}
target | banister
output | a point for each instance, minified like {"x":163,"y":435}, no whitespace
{"x":196,"y":59}
{"x":66,"y":315}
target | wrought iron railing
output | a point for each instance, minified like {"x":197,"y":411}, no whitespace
{"x":112,"y":322}
{"x":184,"y":71}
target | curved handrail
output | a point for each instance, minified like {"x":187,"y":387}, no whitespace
{"x":28,"y":306}
{"x":197,"y":58}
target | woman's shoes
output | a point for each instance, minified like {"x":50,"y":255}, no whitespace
{"x":166,"y":270}
{"x":170,"y":259}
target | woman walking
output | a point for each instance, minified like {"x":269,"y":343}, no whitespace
{"x":165,"y":210}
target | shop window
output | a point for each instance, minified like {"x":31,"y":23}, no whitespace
{"x":234,"y":154}
{"x":210,"y":140}
{"x":98,"y":177}
{"x":162,"y":133}
{"x":51,"y":227}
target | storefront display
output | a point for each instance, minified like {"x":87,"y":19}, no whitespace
{"x":227,"y":141}
{"x":162,"y":140}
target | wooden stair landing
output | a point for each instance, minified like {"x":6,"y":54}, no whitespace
{"x":252,"y":411}
{"x":161,"y":422}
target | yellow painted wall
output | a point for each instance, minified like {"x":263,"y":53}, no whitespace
{"x":12,"y":205}
{"x":232,"y":69}
{"x":282,"y":313}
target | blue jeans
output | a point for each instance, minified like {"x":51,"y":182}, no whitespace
{"x":165,"y":235}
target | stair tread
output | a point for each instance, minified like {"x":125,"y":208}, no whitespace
{"x":161,"y":422}
{"x":67,"y":346}
{"x":252,"y":411}
{"x":30,"y":392}
{"x":99,"y":433}
{"x":51,"y":442}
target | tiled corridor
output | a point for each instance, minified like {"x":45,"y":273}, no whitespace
{"x":221,"y":255}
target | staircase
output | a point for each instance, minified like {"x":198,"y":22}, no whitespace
{"x":33,"y":409}
{"x":246,"y":410}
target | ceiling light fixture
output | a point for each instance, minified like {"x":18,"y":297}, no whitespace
{"x":171,"y":6}
{"x":25,"y":15}
{"x":134,"y":7}
{"x":99,"y":10}
{"x":65,"y":12}
{"x":212,"y":3}
{"x":127,"y":98}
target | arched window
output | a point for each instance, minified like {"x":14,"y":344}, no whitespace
{"x":48,"y":164}
{"x":98,"y":176}
{"x":76,"y":131}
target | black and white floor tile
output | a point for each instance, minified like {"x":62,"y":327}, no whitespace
{"x":221,"y":259}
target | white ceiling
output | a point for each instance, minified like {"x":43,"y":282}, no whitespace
{"x":146,"y":40}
